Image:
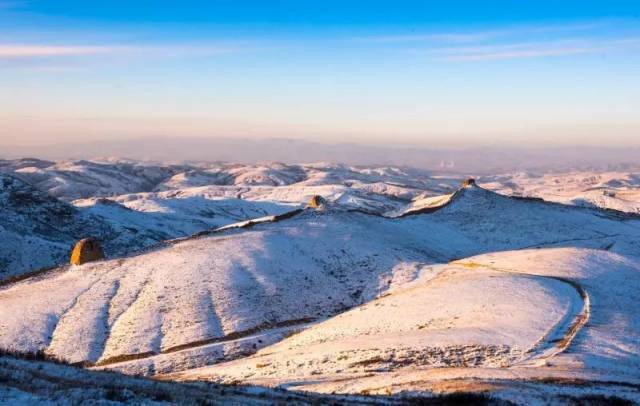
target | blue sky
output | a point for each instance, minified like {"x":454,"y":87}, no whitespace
{"x":421,"y":72}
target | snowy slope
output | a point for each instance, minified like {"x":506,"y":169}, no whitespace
{"x":470,"y":314}
{"x":520,"y":289}
{"x":305,"y":268}
{"x":310,"y":266}
{"x":449,"y":317}
{"x":29,"y":382}
{"x":613,"y":190}
{"x":78,"y":179}
{"x":377,"y":189}
{"x":533,"y":324}
{"x":129,"y":205}
{"x":169,"y":214}
{"x":196,"y":200}
{"x":38,"y":230}
{"x":70,"y":180}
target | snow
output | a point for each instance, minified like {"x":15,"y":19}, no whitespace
{"x":401,"y":283}
{"x":32,"y":382}
{"x":212,"y":287}
{"x":71,"y":180}
{"x":610,"y":344}
{"x":177,"y":216}
{"x":459,"y":318}
{"x":33,"y":222}
{"x":613,"y":190}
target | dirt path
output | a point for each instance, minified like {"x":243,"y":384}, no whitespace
{"x":228,"y":339}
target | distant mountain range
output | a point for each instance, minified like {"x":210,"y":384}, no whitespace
{"x":489,"y":159}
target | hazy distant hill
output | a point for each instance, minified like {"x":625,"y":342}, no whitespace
{"x":491,"y":159}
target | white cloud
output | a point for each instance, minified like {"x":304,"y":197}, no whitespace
{"x":450,"y":37}
{"x":514,"y":42}
{"x":33,"y":52}
{"x":474,"y":36}
{"x":531,"y":49}
{"x":14,"y":51}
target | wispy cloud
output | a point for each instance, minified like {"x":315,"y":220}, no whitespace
{"x":447,"y":37}
{"x":15,"y":51}
{"x":72,"y":58}
{"x":522,"y":50}
{"x":473,"y":36}
{"x":515,"y":42}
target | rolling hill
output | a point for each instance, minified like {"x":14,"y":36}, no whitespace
{"x":383,"y":289}
{"x":238,"y":282}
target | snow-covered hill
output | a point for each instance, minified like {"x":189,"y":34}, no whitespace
{"x":399,"y":281}
{"x":528,"y":326}
{"x":311,"y":266}
{"x":129,"y":205}
{"x":77,"y":179}
{"x":236,"y":283}
{"x":612,"y":190}
{"x":38,"y":231}
{"x":71,"y":180}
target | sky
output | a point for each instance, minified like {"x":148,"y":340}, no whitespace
{"x":428,"y":73}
